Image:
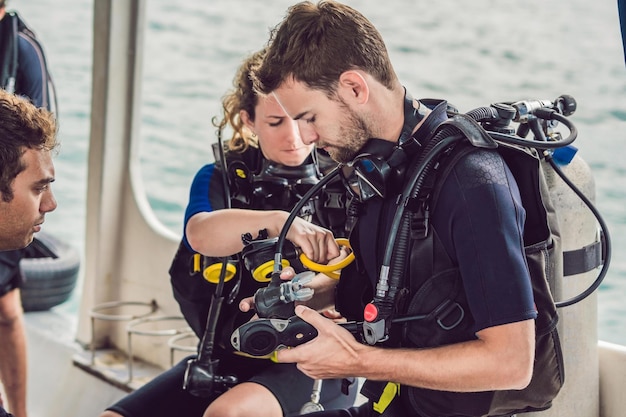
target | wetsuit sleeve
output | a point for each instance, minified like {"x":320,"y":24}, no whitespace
{"x":32,"y":75}
{"x":480,"y":218}
{"x":205,"y":195}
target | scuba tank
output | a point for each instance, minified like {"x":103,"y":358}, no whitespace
{"x":581,"y":239}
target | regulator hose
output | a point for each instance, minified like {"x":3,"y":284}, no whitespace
{"x":397,"y":244}
{"x":201,"y":378}
{"x":548,"y":115}
{"x":294,"y":213}
{"x":606,"y":241}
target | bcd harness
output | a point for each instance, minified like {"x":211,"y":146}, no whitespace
{"x":438,"y":299}
{"x":416,"y":309}
{"x":250,"y":182}
{"x":253,"y":182}
{"x":429,"y":309}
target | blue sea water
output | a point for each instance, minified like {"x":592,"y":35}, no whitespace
{"x":472,"y":53}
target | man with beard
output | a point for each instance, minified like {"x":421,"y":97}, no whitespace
{"x":27,"y":139}
{"x":328,"y":67}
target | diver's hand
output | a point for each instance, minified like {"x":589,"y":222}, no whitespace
{"x":317,"y":243}
{"x":334,"y":315}
{"x":334,"y":353}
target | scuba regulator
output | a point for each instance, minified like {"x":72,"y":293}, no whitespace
{"x":277,"y":324}
{"x":274,"y":304}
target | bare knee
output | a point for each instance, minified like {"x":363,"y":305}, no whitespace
{"x":243,"y":400}
{"x":222,"y":409}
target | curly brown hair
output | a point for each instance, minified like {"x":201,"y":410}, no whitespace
{"x":241,"y":97}
{"x":22,"y":126}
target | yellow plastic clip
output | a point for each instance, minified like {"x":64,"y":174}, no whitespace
{"x":212,"y":273}
{"x":392,"y":389}
{"x":196,"y":262}
{"x":240,"y":173}
{"x":263,"y":273}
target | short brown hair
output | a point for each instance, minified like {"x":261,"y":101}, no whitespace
{"x":316,"y":43}
{"x":22,"y":126}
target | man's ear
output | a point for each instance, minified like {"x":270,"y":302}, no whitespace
{"x":353,"y":87}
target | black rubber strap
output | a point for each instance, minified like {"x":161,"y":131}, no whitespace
{"x":583,"y":260}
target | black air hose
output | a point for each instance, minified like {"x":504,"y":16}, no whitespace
{"x":546,"y":114}
{"x":396,"y":250}
{"x":484,"y":114}
{"x":397,"y":246}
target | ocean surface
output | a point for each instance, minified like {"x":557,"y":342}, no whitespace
{"x":472,"y":53}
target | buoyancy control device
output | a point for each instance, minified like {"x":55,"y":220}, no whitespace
{"x":490,"y":127}
{"x":249,"y":181}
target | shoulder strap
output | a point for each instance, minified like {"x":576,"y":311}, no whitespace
{"x":425,"y":252}
{"x":240,"y":168}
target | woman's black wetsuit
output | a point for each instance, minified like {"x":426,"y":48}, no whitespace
{"x":262,"y":188}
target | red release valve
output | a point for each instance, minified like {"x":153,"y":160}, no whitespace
{"x":370,"y":313}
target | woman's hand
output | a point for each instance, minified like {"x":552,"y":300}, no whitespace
{"x":317,"y":244}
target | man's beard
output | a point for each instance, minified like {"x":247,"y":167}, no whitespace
{"x":354,"y":133}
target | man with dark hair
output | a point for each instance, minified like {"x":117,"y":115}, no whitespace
{"x":23,"y":71}
{"x":27,"y":139}
{"x":328,"y":67}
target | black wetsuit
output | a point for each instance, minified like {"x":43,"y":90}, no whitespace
{"x":479,"y":219}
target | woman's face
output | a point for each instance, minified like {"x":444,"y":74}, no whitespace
{"x":278,"y":135}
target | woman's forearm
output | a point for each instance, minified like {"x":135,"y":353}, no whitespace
{"x":218,"y":233}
